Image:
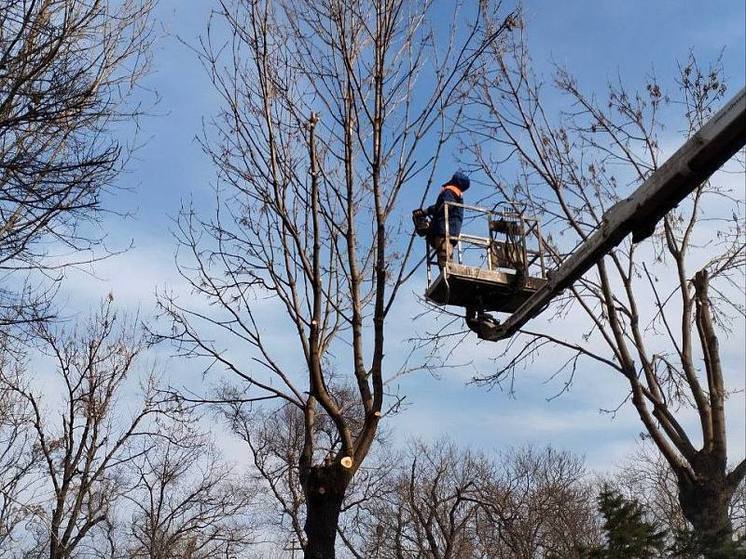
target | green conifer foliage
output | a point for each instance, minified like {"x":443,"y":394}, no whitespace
{"x":628,"y":534}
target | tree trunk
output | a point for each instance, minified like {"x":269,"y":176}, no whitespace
{"x":55,"y":546}
{"x":325,"y":490}
{"x":705,"y":504}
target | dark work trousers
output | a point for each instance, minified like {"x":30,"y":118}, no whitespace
{"x":443,"y":249}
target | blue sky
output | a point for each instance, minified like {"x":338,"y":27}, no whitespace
{"x":596,"y":40}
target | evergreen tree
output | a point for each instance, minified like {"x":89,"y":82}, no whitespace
{"x":628,"y":534}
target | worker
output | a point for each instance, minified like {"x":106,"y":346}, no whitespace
{"x":453,"y":192}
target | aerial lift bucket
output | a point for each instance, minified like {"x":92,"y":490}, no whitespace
{"x":509,"y":267}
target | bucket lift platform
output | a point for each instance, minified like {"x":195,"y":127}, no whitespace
{"x":487,"y":290}
{"x":496,"y":273}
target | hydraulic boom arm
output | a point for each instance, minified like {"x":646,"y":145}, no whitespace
{"x":702,"y":154}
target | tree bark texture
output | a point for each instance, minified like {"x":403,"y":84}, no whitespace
{"x":325,"y":490}
{"x":704,"y":503}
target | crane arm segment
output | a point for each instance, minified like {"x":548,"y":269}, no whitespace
{"x":700,"y":156}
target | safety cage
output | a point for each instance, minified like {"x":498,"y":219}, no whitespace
{"x":493,"y":273}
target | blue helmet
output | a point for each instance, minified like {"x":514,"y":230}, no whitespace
{"x":459,"y":180}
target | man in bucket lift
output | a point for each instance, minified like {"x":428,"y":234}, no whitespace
{"x":453,"y":192}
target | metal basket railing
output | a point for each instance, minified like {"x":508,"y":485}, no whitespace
{"x":513,"y":244}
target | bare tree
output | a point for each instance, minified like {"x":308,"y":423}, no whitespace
{"x":81,"y":432}
{"x":302,"y":236}
{"x":17,"y":463}
{"x":275,"y":440}
{"x":187,"y":503}
{"x":652,"y":312}
{"x":67,"y":69}
{"x":435,"y":509}
{"x":447,"y":502}
{"x":540,"y":504}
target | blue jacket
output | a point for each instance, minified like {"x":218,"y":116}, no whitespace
{"x":455,"y":215}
